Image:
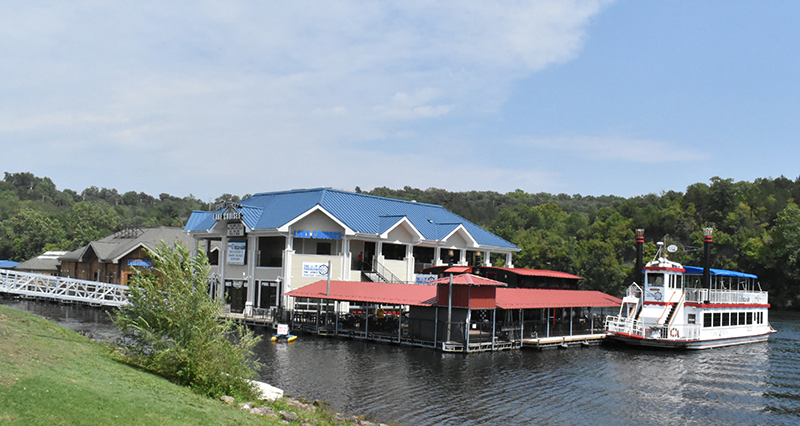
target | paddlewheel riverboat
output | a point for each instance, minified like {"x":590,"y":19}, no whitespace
{"x":690,"y":307}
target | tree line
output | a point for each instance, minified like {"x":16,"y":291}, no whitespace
{"x":756,"y":225}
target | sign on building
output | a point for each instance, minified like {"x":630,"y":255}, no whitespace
{"x":315,"y":269}
{"x":425,"y":278}
{"x":236,"y":252}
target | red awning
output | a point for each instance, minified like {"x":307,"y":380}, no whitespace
{"x":359,"y":291}
{"x":540,"y":273}
{"x":534,"y":298}
{"x":468,"y":279}
{"x":458,"y":269}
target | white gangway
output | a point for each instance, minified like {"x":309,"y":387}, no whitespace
{"x":62,"y":289}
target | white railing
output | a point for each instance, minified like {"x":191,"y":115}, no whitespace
{"x":62,"y":289}
{"x":616,"y":324}
{"x":739,"y":297}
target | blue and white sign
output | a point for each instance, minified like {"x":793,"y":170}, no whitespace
{"x":315,"y":269}
{"x":236,"y":252}
{"x":318,"y":235}
{"x":425,"y":278}
{"x":139,"y":262}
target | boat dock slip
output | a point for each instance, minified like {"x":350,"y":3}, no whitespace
{"x":464,"y":313}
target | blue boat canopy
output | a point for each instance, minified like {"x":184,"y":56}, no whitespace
{"x":696,"y":270}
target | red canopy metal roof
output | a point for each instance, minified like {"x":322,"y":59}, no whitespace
{"x":540,"y":273}
{"x":534,"y":298}
{"x":468,"y":279}
{"x":458,"y":269}
{"x":358,"y":291}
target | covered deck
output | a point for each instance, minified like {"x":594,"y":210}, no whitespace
{"x":471,"y":314}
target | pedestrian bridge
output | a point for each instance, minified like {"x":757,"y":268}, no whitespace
{"x":62,"y":289}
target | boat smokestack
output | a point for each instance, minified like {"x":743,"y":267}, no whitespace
{"x":707,"y":257}
{"x":639,"y":256}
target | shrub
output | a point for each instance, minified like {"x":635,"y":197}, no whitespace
{"x":171,"y":327}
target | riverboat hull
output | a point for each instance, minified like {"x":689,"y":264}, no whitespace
{"x":635,"y":340}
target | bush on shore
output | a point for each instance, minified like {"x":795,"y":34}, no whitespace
{"x":171,"y":327}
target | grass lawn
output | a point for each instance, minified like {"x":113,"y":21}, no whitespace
{"x":53,"y":376}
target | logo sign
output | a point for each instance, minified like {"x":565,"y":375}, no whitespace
{"x":425,"y":278}
{"x":672,"y":248}
{"x":283,"y":329}
{"x":318,"y":235}
{"x":236,"y":252}
{"x":236,"y":229}
{"x":139,"y":262}
{"x":315,"y":269}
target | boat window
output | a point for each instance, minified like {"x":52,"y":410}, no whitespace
{"x":726,"y":319}
{"x":707,"y":319}
{"x":749,"y":318}
{"x":655,"y":280}
{"x":691,"y":318}
{"x":717,"y":319}
{"x":742,"y":318}
{"x":734,"y":318}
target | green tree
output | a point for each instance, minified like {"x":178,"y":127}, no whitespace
{"x":30,"y":231}
{"x":171,"y":327}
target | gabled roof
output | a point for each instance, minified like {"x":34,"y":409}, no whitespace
{"x":360,"y":213}
{"x":531,"y":298}
{"x":114,"y":247}
{"x":468,"y":279}
{"x":358,"y":291}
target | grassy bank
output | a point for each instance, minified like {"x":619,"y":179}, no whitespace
{"x":52,"y":376}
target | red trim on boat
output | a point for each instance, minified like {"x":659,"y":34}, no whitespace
{"x":663,"y":268}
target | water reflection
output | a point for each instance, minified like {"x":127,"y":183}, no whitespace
{"x":749,"y":384}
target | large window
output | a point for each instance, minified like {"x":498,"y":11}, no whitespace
{"x":394,"y":251}
{"x":270,"y":251}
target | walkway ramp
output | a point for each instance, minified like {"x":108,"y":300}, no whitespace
{"x":62,"y":289}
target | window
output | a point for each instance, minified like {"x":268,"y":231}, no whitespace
{"x":717,"y":319}
{"x":655,"y":280}
{"x":742,"y":318}
{"x":394,"y":251}
{"x":707,"y":319}
{"x":691,"y":319}
{"x":734,"y":318}
{"x":726,"y":319}
{"x":324,"y":248}
{"x":270,"y":251}
{"x":749,"y":318}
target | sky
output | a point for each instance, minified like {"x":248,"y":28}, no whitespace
{"x":203,"y":98}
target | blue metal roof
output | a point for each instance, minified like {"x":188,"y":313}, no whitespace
{"x":8,"y":264}
{"x":697,"y":270}
{"x":361,"y":213}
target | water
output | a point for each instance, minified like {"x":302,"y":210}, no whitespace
{"x":749,"y":384}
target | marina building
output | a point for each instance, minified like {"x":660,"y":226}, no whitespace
{"x":272,"y":243}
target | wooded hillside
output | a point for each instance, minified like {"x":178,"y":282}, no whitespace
{"x":756,"y":225}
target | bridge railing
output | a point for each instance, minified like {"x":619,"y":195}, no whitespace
{"x":62,"y":289}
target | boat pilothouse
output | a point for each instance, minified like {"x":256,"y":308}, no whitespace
{"x":690,"y":307}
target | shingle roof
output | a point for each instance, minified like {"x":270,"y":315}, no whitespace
{"x":117,"y":245}
{"x":360,"y":213}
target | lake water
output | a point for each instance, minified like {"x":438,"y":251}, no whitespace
{"x":609,"y":385}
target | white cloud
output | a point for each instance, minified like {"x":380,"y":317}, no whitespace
{"x":240,"y":82}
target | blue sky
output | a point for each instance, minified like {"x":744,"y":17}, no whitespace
{"x":580,"y":97}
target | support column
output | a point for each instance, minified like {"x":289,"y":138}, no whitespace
{"x":509,"y":263}
{"x":487,"y":261}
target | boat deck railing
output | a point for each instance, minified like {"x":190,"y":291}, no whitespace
{"x":616,"y":324}
{"x":739,"y":297}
